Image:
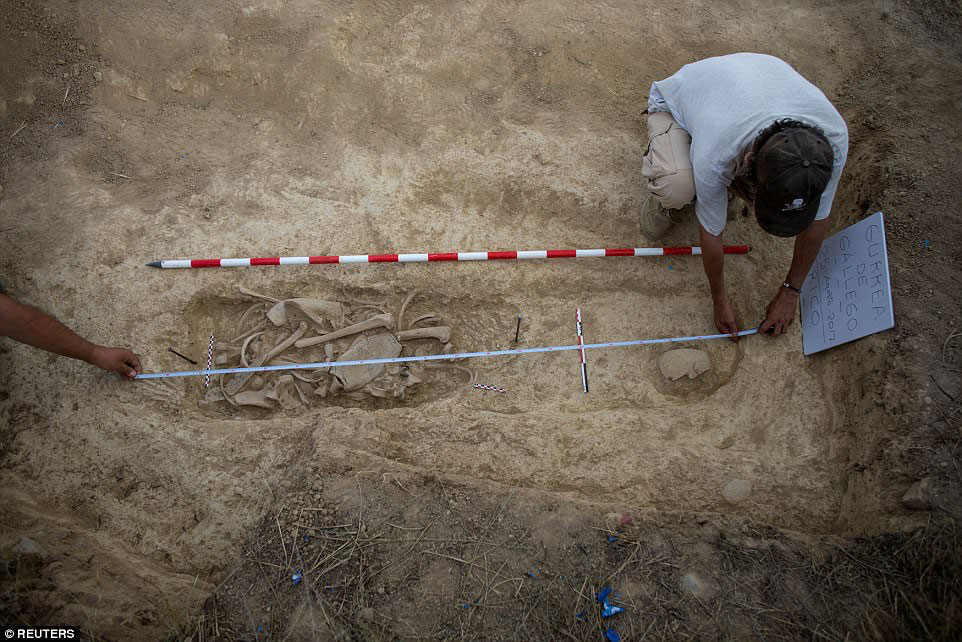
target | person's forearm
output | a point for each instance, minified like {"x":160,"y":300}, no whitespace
{"x":807,"y":245}
{"x":29,"y":325}
{"x":713,"y":260}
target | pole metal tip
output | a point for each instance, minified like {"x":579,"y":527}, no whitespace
{"x":154,"y":264}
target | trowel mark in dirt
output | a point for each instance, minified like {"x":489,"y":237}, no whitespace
{"x":261,"y":329}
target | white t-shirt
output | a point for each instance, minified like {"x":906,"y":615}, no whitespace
{"x":724,"y":103}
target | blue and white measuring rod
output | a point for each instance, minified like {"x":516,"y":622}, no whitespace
{"x":436,"y":357}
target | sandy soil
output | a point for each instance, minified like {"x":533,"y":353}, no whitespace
{"x":291,"y":128}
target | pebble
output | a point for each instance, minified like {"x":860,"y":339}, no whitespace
{"x":694,"y":584}
{"x":380,"y":590}
{"x":919,"y":495}
{"x":727,"y":442}
{"x":98,"y":76}
{"x":75,"y":70}
{"x":737,"y":490}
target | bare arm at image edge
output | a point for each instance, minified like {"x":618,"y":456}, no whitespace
{"x":27,"y":324}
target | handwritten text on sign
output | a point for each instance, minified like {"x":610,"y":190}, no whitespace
{"x":847,"y":294}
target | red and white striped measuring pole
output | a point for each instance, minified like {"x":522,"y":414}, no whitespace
{"x":443,"y":256}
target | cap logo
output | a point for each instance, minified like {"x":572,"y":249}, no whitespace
{"x":797,"y":204}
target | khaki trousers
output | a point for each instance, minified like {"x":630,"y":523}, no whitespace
{"x":667,"y":162}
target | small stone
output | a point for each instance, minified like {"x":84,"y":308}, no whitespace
{"x":727,"y":442}
{"x":61,"y":61}
{"x":366,"y":614}
{"x":27,"y":546}
{"x":380,"y":590}
{"x":81,"y":48}
{"x":919,"y":495}
{"x":737,"y":490}
{"x":75,"y":70}
{"x":695,"y":584}
{"x":98,"y":76}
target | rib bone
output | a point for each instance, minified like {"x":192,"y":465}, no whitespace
{"x":238,"y":381}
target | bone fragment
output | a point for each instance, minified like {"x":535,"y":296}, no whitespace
{"x":407,"y":302}
{"x":247,"y":313}
{"x":377,"y":346}
{"x":303,"y":388}
{"x":259,"y":398}
{"x":314,"y":377}
{"x":251,"y":293}
{"x":239,"y":380}
{"x":442,"y":333}
{"x":243,"y":350}
{"x":675,"y":364}
{"x":379,"y":321}
{"x":214,"y":394}
{"x":427,"y":319}
{"x":314,"y":310}
{"x":285,"y":392}
{"x":257,"y":328}
{"x":452,"y":366}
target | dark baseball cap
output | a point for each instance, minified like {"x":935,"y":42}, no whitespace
{"x":792,"y":169}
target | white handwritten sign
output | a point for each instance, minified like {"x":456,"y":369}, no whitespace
{"x":847,"y":294}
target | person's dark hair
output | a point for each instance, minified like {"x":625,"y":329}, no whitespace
{"x":771,"y":130}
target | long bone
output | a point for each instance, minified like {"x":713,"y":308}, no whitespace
{"x":442,"y":333}
{"x":380,"y":321}
{"x":256,"y":295}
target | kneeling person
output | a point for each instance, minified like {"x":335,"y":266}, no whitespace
{"x":750,"y":124}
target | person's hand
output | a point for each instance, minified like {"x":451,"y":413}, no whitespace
{"x":725,"y":317}
{"x":780,"y":313}
{"x":119,"y":360}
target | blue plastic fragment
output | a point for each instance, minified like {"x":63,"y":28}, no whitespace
{"x":610,"y":610}
{"x":602,"y":597}
{"x":296,"y":578}
{"x":612,"y":636}
{"x":612,"y":538}
{"x":306,"y":537}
